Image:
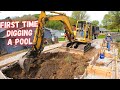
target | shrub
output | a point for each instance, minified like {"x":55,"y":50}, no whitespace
{"x":118,"y":39}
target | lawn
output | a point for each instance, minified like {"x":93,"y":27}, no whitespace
{"x":101,"y":36}
{"x":115,"y":30}
{"x":61,"y":39}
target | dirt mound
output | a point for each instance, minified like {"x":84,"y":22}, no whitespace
{"x":59,"y":65}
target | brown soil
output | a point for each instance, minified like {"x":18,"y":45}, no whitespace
{"x":55,"y":65}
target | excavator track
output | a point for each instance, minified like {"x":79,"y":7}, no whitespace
{"x":83,"y":47}
{"x":87,"y":47}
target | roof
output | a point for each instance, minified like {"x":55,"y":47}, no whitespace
{"x":53,"y":31}
{"x":4,"y":37}
{"x":103,"y":29}
{"x":2,"y":29}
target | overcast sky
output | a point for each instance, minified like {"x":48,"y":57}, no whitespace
{"x":94,"y":15}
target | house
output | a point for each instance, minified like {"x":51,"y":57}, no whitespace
{"x":62,"y":33}
{"x":51,"y":35}
{"x":2,"y":32}
{"x":59,"y":33}
{"x":56,"y":33}
{"x":103,"y":30}
{"x":5,"y":49}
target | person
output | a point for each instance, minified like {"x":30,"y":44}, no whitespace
{"x":74,"y":30}
{"x":109,"y":40}
{"x":82,"y":32}
{"x":65,"y":36}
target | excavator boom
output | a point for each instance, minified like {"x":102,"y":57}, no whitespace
{"x":38,"y":45}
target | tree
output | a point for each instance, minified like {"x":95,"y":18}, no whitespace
{"x":115,"y":18}
{"x":80,"y":15}
{"x":107,"y":21}
{"x":54,"y":25}
{"x":36,"y":15}
{"x":101,"y":26}
{"x":57,"y":24}
{"x":25,"y":18}
{"x":7,"y":19}
{"x":72,"y":21}
{"x":112,"y":20}
{"x":95,"y":22}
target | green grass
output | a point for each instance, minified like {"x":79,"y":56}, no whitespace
{"x":61,"y":39}
{"x":117,"y":39}
{"x":114,"y":30}
{"x":101,"y":36}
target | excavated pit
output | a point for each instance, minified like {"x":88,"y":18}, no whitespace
{"x":56,"y":65}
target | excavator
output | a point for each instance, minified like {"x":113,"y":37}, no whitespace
{"x":81,"y":37}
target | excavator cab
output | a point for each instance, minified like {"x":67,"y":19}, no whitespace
{"x":83,"y":31}
{"x":83,"y":36}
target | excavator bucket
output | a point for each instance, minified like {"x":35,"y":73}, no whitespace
{"x":24,"y":64}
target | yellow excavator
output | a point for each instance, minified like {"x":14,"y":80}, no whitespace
{"x":79,"y":38}
{"x":82,"y":36}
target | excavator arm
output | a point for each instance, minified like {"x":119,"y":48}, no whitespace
{"x":38,"y":46}
{"x":43,"y":18}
